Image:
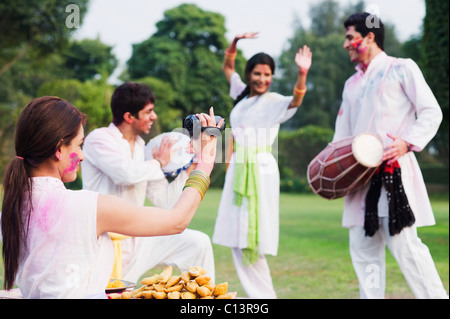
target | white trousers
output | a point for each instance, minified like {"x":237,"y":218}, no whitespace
{"x":413,"y":257}
{"x":190,"y":248}
{"x":255,"y":278}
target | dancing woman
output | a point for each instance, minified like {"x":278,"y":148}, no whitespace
{"x":248,"y":216}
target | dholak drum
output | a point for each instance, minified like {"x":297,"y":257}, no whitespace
{"x":180,"y":160}
{"x":345,"y":166}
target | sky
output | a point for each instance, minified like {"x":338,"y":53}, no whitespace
{"x":122,"y":23}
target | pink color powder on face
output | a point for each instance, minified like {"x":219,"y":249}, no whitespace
{"x":75,"y":159}
{"x":357,"y":45}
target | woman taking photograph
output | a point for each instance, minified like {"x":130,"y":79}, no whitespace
{"x":55,"y":240}
{"x":248,"y":217}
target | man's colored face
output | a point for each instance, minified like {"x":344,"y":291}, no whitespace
{"x":355,"y":44}
{"x":144,"y":122}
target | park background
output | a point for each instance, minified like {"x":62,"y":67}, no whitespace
{"x":181,"y":58}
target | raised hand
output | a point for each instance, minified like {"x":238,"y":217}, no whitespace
{"x":205,"y":146}
{"x":303,"y":59}
{"x":248,"y":35}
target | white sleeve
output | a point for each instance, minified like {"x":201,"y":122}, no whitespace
{"x":102,"y":151}
{"x":163,"y":194}
{"x":277,"y":108}
{"x":428,"y":112}
{"x":342,"y":125}
{"x":236,"y":86}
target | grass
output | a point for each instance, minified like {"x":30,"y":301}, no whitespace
{"x":313,"y":260}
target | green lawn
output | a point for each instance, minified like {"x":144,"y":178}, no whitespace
{"x":313,"y":259}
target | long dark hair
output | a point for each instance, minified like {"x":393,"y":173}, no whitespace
{"x":44,"y":125}
{"x":259,"y":58}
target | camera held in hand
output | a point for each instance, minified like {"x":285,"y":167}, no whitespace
{"x":192,"y":124}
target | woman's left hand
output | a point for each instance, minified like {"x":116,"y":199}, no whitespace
{"x":303,"y":59}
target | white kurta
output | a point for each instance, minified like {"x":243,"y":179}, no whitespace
{"x":254,"y":122}
{"x":63,"y":257}
{"x":405,"y":108}
{"x":110,"y":168}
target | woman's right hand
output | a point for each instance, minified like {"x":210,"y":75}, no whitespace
{"x":247,"y":35}
{"x":205,"y":146}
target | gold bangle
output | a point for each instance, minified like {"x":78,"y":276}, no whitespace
{"x":299,"y":92}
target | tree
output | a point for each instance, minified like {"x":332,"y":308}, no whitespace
{"x":88,"y":59}
{"x":187,"y":53}
{"x":331,"y":64}
{"x":435,"y":66}
{"x":91,"y":97}
{"x":33,"y":24}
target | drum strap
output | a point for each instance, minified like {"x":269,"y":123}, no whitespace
{"x":400,"y":213}
{"x":246,"y":184}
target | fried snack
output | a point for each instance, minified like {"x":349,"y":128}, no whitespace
{"x":178,"y":287}
{"x":159,"y":295}
{"x":165,"y":275}
{"x":220,"y":289}
{"x":195,"y":271}
{"x":174,"y":295}
{"x":210,"y":285}
{"x":150,"y":280}
{"x":173,"y":281}
{"x":229,"y":295}
{"x":191,"y":286}
{"x":139,"y":295}
{"x":134,"y":292}
{"x":185,"y":276}
{"x":126,"y":295}
{"x":204,"y":291}
{"x":147,"y":288}
{"x":202,"y":280}
{"x":188,"y":295}
{"x":147,"y":294}
{"x":159,"y":287}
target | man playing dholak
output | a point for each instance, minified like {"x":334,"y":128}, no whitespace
{"x":388,"y":97}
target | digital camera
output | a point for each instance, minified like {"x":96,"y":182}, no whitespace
{"x":192,"y":124}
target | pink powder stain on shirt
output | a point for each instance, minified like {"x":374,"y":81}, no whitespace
{"x":44,"y":214}
{"x":75,"y":160}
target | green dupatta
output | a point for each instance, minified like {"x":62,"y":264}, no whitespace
{"x":246,"y":184}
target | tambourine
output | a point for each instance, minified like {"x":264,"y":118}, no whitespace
{"x":180,"y":160}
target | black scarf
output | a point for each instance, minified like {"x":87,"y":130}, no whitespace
{"x":400,"y":213}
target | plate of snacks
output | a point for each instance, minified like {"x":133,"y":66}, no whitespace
{"x":118,"y":285}
{"x":191,"y":284}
